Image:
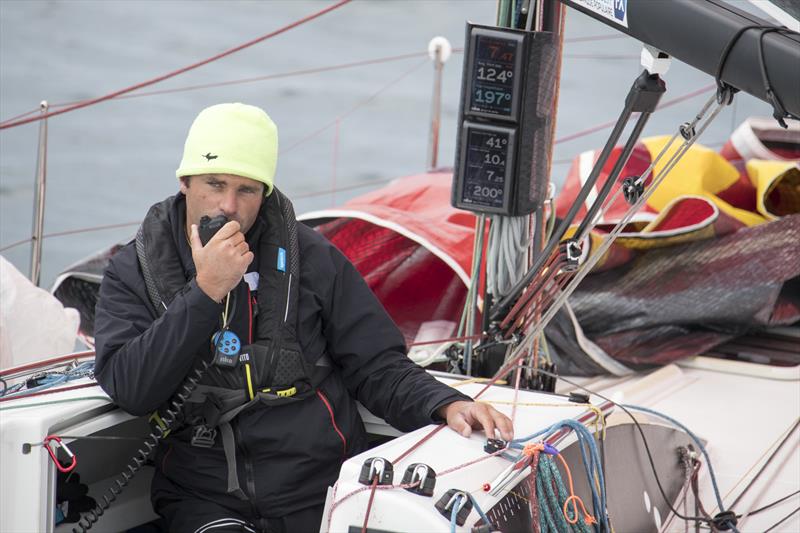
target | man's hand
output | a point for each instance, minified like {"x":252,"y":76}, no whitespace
{"x":222,"y":262}
{"x":463,"y":417}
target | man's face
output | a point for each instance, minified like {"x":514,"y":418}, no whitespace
{"x":235,"y":197}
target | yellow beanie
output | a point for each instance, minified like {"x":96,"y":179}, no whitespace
{"x":233,"y":139}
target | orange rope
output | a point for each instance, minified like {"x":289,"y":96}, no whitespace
{"x":531,"y":449}
{"x":573,"y":498}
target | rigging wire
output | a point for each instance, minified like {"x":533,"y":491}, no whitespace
{"x":86,"y":103}
{"x":611,"y":236}
{"x":357,"y":106}
{"x":782,"y":520}
{"x":766,"y":464}
{"x":773,"y":504}
{"x":70,"y":232}
{"x":280,"y":75}
{"x":305,"y":72}
{"x":570,"y":137}
{"x":663,"y":105}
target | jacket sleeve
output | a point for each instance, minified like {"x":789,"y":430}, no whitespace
{"x":140,"y":361}
{"x":370,"y":351}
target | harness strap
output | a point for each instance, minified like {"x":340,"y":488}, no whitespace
{"x":229,"y":444}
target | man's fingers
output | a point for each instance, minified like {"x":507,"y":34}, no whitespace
{"x":194,"y":238}
{"x":237,"y":238}
{"x":242,"y":248}
{"x":228,"y":230}
{"x":504,"y":424}
{"x":465,"y":429}
{"x":484,"y":417}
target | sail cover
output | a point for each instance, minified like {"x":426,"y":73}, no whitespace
{"x":413,"y":249}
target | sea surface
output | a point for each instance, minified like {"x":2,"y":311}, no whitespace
{"x":344,"y":130}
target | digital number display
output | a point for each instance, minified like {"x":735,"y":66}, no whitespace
{"x":494,"y":69}
{"x":486,"y":163}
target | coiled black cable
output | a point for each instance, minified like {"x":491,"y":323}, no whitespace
{"x":136,"y":463}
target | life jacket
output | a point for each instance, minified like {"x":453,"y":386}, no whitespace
{"x":272,"y":370}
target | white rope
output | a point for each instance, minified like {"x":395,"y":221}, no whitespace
{"x":506,"y":257}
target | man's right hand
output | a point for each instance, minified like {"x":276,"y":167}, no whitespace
{"x":222,"y":262}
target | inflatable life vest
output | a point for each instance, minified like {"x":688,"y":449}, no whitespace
{"x":272,"y":370}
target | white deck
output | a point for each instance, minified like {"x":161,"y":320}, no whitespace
{"x":741,"y":416}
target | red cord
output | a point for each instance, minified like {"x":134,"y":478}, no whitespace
{"x":333,"y":421}
{"x":172,"y":74}
{"x":369,"y":504}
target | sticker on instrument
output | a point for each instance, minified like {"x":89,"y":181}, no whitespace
{"x":613,"y":10}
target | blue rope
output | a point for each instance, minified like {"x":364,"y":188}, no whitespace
{"x":696,"y":440}
{"x":592,"y":463}
{"x":593,"y":466}
{"x":480,"y":511}
{"x":51,"y":380}
{"x":454,"y":513}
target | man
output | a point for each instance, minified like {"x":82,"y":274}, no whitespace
{"x":282,"y":329}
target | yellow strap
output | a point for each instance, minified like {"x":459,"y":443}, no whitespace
{"x":156,"y":419}
{"x":291,"y":391}
{"x":249,"y":381}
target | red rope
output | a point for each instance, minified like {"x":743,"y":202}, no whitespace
{"x":452,"y":339}
{"x":70,"y":232}
{"x":289,"y":74}
{"x":10,"y":372}
{"x":369,"y":504}
{"x":419,"y":443}
{"x":22,"y":115}
{"x":172,"y":74}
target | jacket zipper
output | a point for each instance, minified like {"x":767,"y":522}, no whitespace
{"x":333,"y":421}
{"x":249,"y":471}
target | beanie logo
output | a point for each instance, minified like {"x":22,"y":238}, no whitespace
{"x":209,"y":157}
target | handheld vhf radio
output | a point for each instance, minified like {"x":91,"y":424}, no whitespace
{"x":226,"y":343}
{"x":208,"y":227}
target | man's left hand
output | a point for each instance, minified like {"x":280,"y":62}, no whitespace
{"x":463,"y":417}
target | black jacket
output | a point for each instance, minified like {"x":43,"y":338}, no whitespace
{"x":287,"y":455}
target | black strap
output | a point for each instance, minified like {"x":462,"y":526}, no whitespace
{"x":778,"y":111}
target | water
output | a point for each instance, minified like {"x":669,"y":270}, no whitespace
{"x":108,"y":163}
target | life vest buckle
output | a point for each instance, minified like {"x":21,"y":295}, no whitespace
{"x":203,"y":436}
